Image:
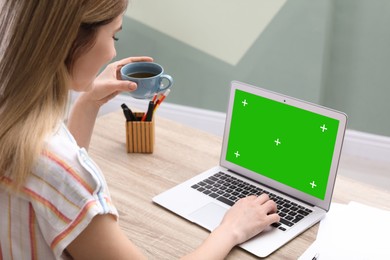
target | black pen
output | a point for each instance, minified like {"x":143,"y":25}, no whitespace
{"x":128,"y":113}
{"x":149,"y":114}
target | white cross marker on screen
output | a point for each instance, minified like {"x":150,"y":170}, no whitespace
{"x":313,"y":185}
{"x":323,"y":128}
{"x":277,"y":142}
{"x":237,"y":154}
{"x":244,"y":102}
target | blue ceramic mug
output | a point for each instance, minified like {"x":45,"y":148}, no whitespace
{"x":149,"y":76}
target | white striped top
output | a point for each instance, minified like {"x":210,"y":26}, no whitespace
{"x":58,"y":201}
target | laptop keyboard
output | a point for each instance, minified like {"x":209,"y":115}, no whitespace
{"x":229,"y":189}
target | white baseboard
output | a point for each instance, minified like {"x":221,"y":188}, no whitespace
{"x":360,"y":144}
{"x":203,"y":119}
{"x":365,"y":145}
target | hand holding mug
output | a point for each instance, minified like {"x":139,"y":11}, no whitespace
{"x":149,"y":76}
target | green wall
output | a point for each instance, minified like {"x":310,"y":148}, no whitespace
{"x":356,"y":77}
{"x":335,"y":53}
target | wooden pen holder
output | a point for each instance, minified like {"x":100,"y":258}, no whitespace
{"x":140,"y":135}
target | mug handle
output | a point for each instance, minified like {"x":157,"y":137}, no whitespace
{"x":163,"y":87}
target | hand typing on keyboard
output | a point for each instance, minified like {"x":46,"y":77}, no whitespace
{"x":249,"y":216}
{"x":245,"y":219}
{"x":229,"y":190}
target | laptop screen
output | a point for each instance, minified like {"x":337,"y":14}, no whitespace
{"x":285,"y":143}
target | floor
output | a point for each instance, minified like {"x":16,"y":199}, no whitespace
{"x":376,"y":173}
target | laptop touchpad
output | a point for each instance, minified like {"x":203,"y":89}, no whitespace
{"x":208,"y":216}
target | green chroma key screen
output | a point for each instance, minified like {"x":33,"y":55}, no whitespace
{"x":285,"y":143}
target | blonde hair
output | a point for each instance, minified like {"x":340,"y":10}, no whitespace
{"x":40,"y":41}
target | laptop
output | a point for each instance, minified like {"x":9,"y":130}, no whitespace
{"x":274,"y":144}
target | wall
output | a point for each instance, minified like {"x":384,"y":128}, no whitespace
{"x":357,"y":72}
{"x":328,"y":52}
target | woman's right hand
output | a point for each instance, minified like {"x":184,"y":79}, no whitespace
{"x":249,"y":216}
{"x":245,"y":219}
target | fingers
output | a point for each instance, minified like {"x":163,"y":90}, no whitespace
{"x":251,"y":215}
{"x":119,"y":64}
{"x":141,"y":58}
{"x":267,"y":204}
{"x":122,"y":85}
{"x":273,"y":218}
{"x":263,"y":198}
{"x":133,"y":59}
{"x":270,"y":207}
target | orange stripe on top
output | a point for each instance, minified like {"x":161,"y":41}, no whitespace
{"x":78,"y":219}
{"x":62,"y":195}
{"x":39,"y":199}
{"x":31,"y":225}
{"x":47,"y":204}
{"x":69,"y":169}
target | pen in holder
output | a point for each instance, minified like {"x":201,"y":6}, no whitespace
{"x":140,"y":135}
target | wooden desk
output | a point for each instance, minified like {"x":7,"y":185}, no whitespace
{"x":180,"y":153}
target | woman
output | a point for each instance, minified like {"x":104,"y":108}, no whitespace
{"x":54,"y":200}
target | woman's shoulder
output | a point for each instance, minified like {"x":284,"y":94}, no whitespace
{"x":64,"y":170}
{"x":64,"y":161}
{"x":66,"y":190}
